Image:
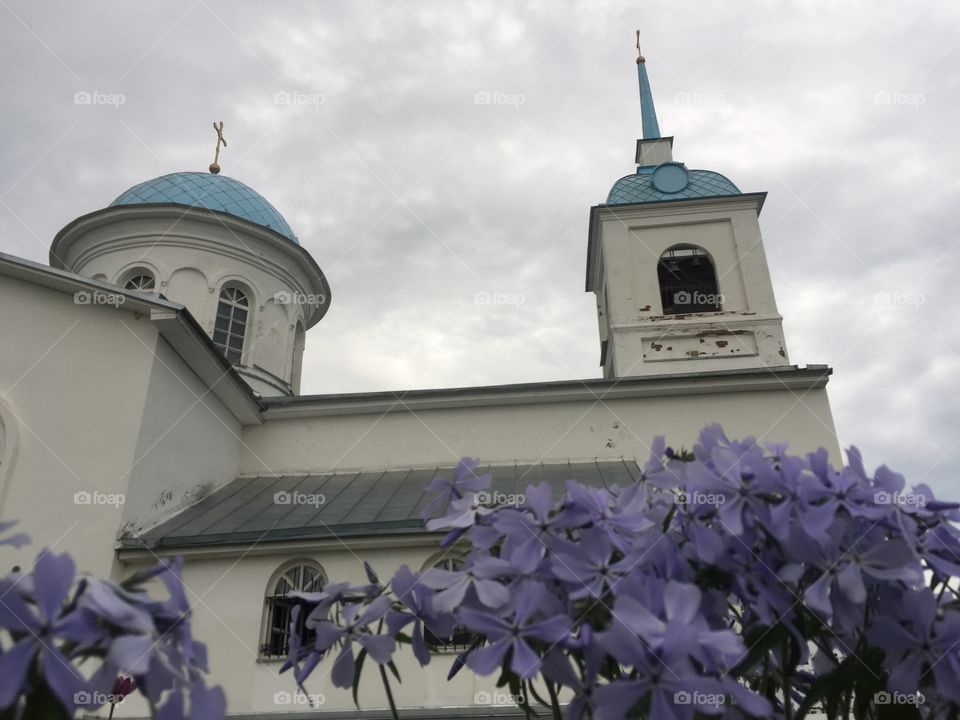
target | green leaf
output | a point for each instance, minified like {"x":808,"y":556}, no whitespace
{"x":827,"y":689}
{"x":760,"y":642}
{"x":505,"y":674}
{"x":357,"y":667}
{"x":393,"y":669}
{"x":669,"y":517}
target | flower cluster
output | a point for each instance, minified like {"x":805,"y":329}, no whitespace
{"x":72,"y":643}
{"x":736,"y":580}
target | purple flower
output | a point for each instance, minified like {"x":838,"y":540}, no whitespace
{"x":588,"y":565}
{"x":846,"y":566}
{"x":37,"y":633}
{"x":922,"y":644}
{"x":465,"y":483}
{"x":355,"y":628}
{"x":631,"y":602}
{"x":481,"y":575}
{"x":849,"y":490}
{"x":513,"y":631}
{"x":417,"y":598}
{"x":527,"y":530}
{"x":684,"y":635}
{"x":732,"y":486}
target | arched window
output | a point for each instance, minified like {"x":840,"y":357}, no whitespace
{"x":278,"y":606}
{"x":231,"y":324}
{"x":461,"y":637}
{"x":140,"y":279}
{"x":688,"y":281}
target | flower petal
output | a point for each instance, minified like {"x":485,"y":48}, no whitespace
{"x":14,"y":663}
{"x":52,"y":577}
{"x":131,"y":653}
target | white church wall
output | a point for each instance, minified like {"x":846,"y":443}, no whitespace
{"x":187,"y":447}
{"x":592,"y":428}
{"x":74,"y":377}
{"x":228,"y":596}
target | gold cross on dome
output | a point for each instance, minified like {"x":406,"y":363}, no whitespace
{"x":214,"y":167}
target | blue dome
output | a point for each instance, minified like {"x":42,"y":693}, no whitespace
{"x":639,"y":188}
{"x":213,"y":192}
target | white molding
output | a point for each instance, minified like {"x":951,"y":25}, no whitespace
{"x":727,"y":381}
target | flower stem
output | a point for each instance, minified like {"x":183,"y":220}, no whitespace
{"x":386,"y":686}
{"x":554,"y":702}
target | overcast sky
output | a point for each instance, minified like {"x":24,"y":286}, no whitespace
{"x":359,"y":122}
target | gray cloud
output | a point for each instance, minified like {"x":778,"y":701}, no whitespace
{"x":415,"y":199}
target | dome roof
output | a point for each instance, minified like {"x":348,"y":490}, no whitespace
{"x":212,"y":192}
{"x":640,"y":188}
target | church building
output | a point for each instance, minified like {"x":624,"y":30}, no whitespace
{"x":150,"y":406}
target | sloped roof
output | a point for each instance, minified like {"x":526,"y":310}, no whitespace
{"x":639,"y":188}
{"x":384,"y":502}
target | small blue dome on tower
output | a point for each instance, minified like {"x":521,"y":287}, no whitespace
{"x":644,"y":186}
{"x":212,"y":192}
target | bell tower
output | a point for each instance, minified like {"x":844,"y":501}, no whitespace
{"x":675,"y":258}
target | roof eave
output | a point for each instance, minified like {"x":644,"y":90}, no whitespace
{"x":789,"y":377}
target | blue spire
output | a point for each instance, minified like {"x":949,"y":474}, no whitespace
{"x":650,"y":127}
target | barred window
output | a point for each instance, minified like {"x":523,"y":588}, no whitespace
{"x":231,"y":324}
{"x":279,"y":607}
{"x":461,"y":637}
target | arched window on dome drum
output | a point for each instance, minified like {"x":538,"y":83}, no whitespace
{"x":462,"y":637}
{"x":141,"y":280}
{"x":279,"y":607}
{"x":688,"y":281}
{"x":231,"y":324}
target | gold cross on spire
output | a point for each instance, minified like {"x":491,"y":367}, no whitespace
{"x":214,"y":168}
{"x":640,"y":57}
